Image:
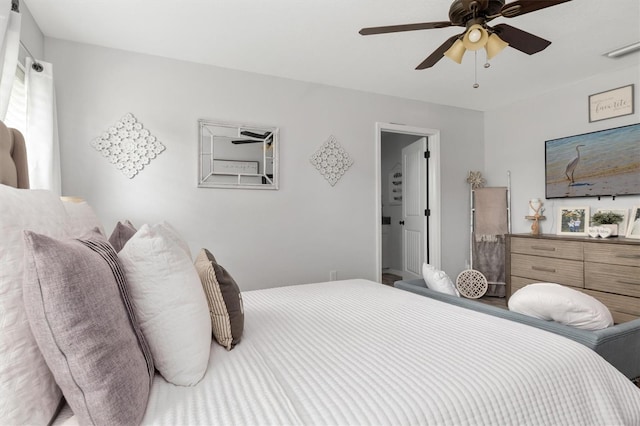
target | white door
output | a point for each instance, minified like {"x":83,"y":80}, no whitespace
{"x":414,"y":205}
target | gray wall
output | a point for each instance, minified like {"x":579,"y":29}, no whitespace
{"x":30,"y":33}
{"x":265,"y":238}
{"x":515,"y":136}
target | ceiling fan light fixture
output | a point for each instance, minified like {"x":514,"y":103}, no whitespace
{"x":494,"y":45}
{"x":456,"y":51}
{"x":475,"y":38}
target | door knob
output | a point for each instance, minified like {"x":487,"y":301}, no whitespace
{"x":401,"y":222}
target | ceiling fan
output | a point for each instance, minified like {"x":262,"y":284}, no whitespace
{"x":255,"y":138}
{"x":474,"y":15}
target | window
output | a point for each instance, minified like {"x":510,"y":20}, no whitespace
{"x":17,"y":110}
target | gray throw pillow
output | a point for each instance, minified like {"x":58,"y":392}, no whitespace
{"x":76,"y":300}
{"x":121,"y":233}
{"x":224,"y":298}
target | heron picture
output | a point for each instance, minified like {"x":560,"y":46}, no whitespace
{"x":606,"y":162}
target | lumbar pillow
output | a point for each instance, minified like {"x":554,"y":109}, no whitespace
{"x":169,"y":302}
{"x":121,"y":233}
{"x":554,"y":302}
{"x":28,"y":391}
{"x":224,"y":298}
{"x":74,"y":295}
{"x":438,"y":280}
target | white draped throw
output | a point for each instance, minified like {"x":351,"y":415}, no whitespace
{"x":9,"y":47}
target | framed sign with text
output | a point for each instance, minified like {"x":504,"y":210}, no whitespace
{"x":610,"y":104}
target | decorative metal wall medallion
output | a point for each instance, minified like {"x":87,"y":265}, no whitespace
{"x":128,"y":145}
{"x":331,"y":160}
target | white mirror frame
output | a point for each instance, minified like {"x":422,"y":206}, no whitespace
{"x":242,"y":169}
{"x":634,"y":223}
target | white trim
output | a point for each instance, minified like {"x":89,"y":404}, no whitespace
{"x":434,"y":239}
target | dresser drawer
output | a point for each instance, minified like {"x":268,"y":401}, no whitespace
{"x":617,"y":279}
{"x":544,"y":269}
{"x":548,"y":248}
{"x":623,"y":308}
{"x":518,"y":282}
{"x":616,"y":254}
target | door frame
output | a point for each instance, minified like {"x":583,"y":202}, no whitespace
{"x":433,"y":243}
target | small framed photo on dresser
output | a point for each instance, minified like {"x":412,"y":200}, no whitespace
{"x":634,"y":223}
{"x":573,"y":221}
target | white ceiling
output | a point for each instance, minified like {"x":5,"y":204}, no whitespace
{"x":318,"y":41}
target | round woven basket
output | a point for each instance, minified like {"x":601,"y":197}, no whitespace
{"x":472,"y":284}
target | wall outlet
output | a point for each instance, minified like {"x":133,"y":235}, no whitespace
{"x":333,"y":275}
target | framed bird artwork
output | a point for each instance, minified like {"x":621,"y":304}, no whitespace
{"x":596,"y":164}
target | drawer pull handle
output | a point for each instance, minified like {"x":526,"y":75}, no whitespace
{"x":628,"y":282}
{"x":629,"y":256}
{"x":541,"y":268}
{"x":543,"y":248}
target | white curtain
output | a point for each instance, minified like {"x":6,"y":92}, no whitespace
{"x":9,"y":47}
{"x":41,"y":136}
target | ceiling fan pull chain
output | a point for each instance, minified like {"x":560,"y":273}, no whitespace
{"x":475,"y":69}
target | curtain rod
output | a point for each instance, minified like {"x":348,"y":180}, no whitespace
{"x":36,"y":66}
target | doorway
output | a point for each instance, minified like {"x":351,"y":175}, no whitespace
{"x":407,"y":200}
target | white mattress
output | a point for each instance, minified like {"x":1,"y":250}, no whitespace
{"x":356,"y":352}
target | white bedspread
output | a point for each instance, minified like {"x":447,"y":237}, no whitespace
{"x":355,"y":352}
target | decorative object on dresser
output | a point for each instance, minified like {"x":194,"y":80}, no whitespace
{"x":634,"y":223}
{"x":573,"y":221}
{"x":535,"y":213}
{"x":612,"y":219}
{"x":596,"y":164}
{"x":600,"y":231}
{"x":607,"y":269}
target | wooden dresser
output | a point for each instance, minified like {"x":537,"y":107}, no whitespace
{"x":607,"y":269}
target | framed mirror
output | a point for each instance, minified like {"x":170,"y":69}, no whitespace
{"x":237,"y":156}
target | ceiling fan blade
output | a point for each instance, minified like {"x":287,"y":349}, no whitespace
{"x":255,"y":135}
{"x":521,"y":7}
{"x":521,"y":40}
{"x":405,"y":27}
{"x":438,"y":53}
{"x":243,"y":141}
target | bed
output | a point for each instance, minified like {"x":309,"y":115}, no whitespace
{"x":350,"y":352}
{"x":356,"y":352}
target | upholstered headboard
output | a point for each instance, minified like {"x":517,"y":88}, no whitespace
{"x":13,"y":158}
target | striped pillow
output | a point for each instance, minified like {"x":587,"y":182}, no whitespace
{"x":225,"y":300}
{"x":75,"y":296}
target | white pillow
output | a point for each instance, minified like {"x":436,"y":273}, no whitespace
{"x":28,"y":391}
{"x":175,"y":237}
{"x":438,"y":280}
{"x":554,"y":302}
{"x":169,"y":302}
{"x":81,"y":218}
